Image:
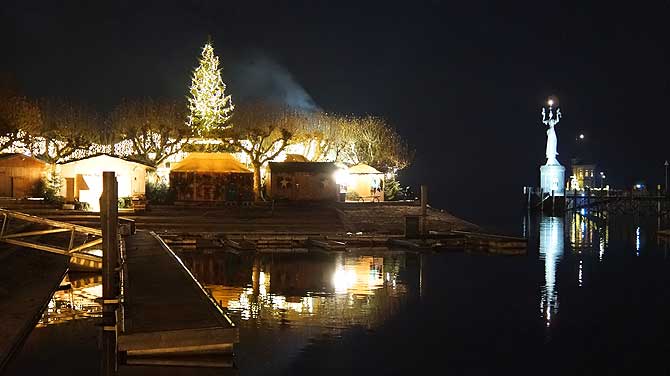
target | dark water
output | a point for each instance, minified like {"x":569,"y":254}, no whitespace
{"x":590,"y":297}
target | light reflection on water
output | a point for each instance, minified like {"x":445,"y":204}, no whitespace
{"x":588,"y":233}
{"x":587,"y":242}
{"x":551,"y":251}
{"x":295,"y":311}
{"x":75,"y":300}
{"x":330,"y":291}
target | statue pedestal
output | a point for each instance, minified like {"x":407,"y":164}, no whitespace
{"x":552,"y":178}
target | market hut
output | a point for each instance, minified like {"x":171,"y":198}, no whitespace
{"x":83,"y":178}
{"x":302,"y":181}
{"x":19,"y":174}
{"x":365,"y":183}
{"x":215,"y":177}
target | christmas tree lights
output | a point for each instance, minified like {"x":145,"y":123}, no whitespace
{"x":210,"y":107}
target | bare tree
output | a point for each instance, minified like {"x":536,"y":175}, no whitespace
{"x":327,"y":136}
{"x":19,"y":117}
{"x":65,"y":128}
{"x":262,"y":131}
{"x":372,"y":141}
{"x":156,"y":129}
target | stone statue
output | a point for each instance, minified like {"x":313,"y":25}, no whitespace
{"x":552,"y":174}
{"x":551,"y":121}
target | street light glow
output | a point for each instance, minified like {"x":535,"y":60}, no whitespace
{"x":550,"y":102}
{"x":581,"y":136}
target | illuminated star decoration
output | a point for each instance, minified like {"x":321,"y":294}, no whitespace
{"x":284,"y":183}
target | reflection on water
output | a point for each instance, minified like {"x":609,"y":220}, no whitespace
{"x":587,"y":240}
{"x":329,"y":291}
{"x":74,"y":300}
{"x":294,"y":311}
{"x":637,"y":241}
{"x":588,"y":233}
{"x":551,"y":251}
{"x":588,"y":230}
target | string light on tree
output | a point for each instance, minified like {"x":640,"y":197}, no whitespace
{"x":210,"y":108}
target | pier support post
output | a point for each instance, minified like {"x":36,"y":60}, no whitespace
{"x":109,"y":214}
{"x":424,"y":209}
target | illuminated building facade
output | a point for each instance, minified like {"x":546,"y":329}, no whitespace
{"x":211,"y":177}
{"x":365,"y":183}
{"x":583,"y":176}
{"x":82,"y":179}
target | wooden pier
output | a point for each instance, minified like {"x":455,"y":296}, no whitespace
{"x":165,"y":312}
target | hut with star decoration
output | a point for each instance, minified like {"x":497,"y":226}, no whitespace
{"x":302,"y":181}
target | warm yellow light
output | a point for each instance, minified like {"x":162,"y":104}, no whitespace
{"x":550,"y":102}
{"x":342,"y":177}
{"x":343,"y":280}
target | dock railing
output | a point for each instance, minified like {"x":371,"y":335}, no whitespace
{"x":27,"y":238}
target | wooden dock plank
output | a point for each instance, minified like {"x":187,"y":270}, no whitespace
{"x":165,"y":309}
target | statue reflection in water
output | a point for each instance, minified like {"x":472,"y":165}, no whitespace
{"x":551,"y":251}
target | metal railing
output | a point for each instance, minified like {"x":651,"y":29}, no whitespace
{"x":22,"y":238}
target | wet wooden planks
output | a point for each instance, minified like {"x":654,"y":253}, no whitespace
{"x":28,"y":279}
{"x":165,"y":310}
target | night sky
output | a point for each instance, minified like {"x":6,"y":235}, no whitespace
{"x":464,"y":82}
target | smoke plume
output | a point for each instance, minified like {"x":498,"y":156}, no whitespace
{"x":258,"y":77}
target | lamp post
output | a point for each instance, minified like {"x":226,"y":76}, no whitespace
{"x":665,"y":190}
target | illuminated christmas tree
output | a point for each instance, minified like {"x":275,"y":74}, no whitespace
{"x":210,"y":107}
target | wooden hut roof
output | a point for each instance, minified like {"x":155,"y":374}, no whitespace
{"x":210,"y":162}
{"x":15,"y":159}
{"x":295,"y":158}
{"x":362,"y":168}
{"x":105,"y":156}
{"x":302,"y":167}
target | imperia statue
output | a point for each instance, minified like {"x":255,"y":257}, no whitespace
{"x":551,"y":121}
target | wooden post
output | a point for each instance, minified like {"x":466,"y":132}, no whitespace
{"x":424,"y":208}
{"x":109,"y":213}
{"x":658,"y":213}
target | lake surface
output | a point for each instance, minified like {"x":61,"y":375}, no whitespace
{"x":590,"y":297}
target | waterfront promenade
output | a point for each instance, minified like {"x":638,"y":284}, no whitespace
{"x":382,"y":218}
